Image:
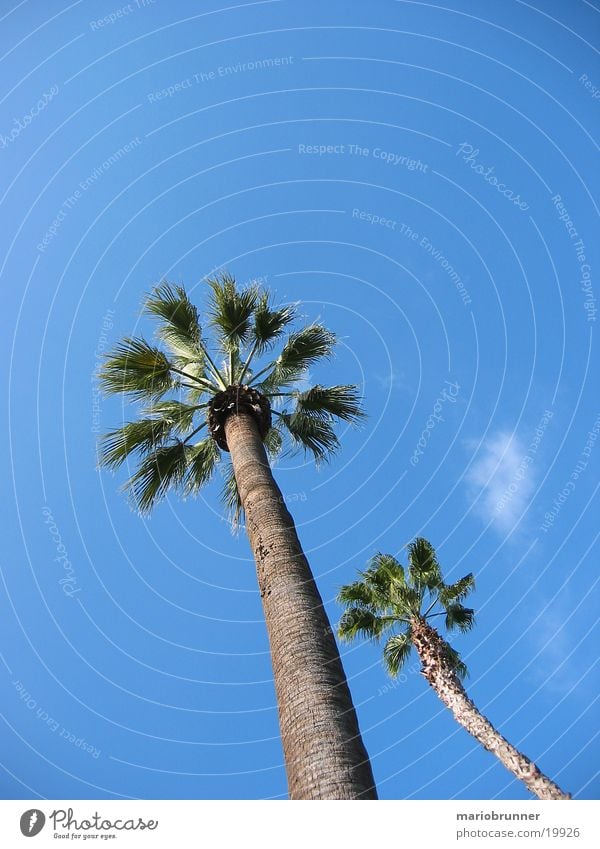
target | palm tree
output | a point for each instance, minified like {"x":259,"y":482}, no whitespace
{"x":184,"y":390}
{"x":389,"y":600}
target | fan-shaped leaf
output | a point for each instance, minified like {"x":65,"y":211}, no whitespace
{"x":457,"y":591}
{"x":273,"y":442}
{"x":359,"y":622}
{"x":179,"y":415}
{"x":459,"y":618}
{"x":311,"y":432}
{"x":231,"y":497}
{"x":302,"y":349}
{"x":180,"y":328}
{"x":231,"y":310}
{"x":142,"y":435}
{"x":362,"y":594}
{"x":201,"y":460}
{"x":386,"y":564}
{"x":424,"y":568}
{"x":137,"y":367}
{"x":396,"y":652}
{"x":269,"y":323}
{"x":164,"y":468}
{"x":342,"y":402}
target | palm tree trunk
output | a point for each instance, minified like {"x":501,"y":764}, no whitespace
{"x":439,"y":673}
{"x":324,"y":752}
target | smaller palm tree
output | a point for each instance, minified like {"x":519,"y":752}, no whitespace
{"x":399,"y":603}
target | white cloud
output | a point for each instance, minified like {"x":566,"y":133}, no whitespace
{"x":501,"y":480}
{"x":392,"y":380}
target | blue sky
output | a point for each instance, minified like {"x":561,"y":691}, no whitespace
{"x":420,"y":177}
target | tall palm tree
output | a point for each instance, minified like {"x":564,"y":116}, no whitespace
{"x":399,"y":603}
{"x":229,"y":394}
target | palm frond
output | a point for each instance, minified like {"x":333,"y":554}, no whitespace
{"x":424,"y":569}
{"x":180,"y":329}
{"x":360,"y":622}
{"x":231,"y":310}
{"x":459,"y":617}
{"x":386,"y":579}
{"x":343,"y":402}
{"x":269,"y":323}
{"x":302,"y":349}
{"x":233,"y":368}
{"x":231,"y":497}
{"x":457,"y":591}
{"x":273,"y":442}
{"x":137,"y":367}
{"x":312,"y":433}
{"x":161,"y":470}
{"x":201,"y":460}
{"x":179,"y":415}
{"x":141,"y":436}
{"x":396,"y":652}
{"x":201,"y":376}
{"x":386,"y":564}
{"x":360,"y":594}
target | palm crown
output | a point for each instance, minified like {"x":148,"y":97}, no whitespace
{"x":389,"y":598}
{"x":183,"y":389}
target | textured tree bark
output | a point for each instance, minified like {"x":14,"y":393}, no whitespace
{"x":440,"y":675}
{"x":324,"y":752}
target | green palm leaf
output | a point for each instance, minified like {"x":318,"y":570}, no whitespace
{"x":457,"y":591}
{"x":340,"y":401}
{"x":312,"y":433}
{"x":396,"y":652}
{"x":180,"y":328}
{"x":142,"y":435}
{"x":302,"y":349}
{"x":231,"y":498}
{"x":137,"y":367}
{"x":231,"y":311}
{"x":359,"y":622}
{"x":386,"y":580}
{"x":178,"y":414}
{"x":269,"y":323}
{"x":459,"y":618}
{"x":201,"y":460}
{"x":164,"y":468}
{"x":387,"y":566}
{"x":361,"y":593}
{"x":274,"y":442}
{"x":424,"y":568}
